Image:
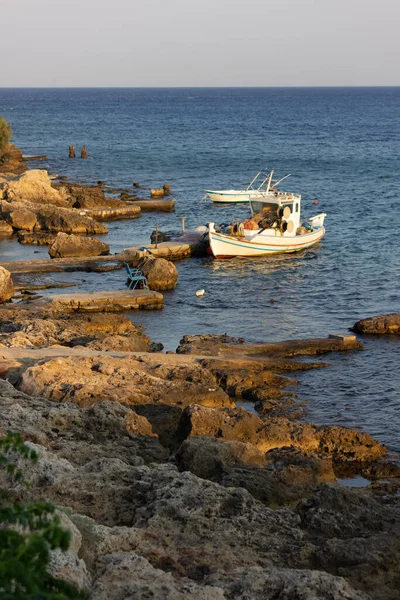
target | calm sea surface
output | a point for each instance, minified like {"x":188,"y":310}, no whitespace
{"x":342,"y":147}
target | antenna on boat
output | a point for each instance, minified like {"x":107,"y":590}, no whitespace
{"x":280,"y":180}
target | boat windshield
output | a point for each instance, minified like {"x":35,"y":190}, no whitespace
{"x":264,"y":208}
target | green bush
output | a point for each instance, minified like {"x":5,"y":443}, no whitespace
{"x":5,"y":135}
{"x":27,"y":534}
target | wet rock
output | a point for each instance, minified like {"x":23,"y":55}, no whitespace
{"x":202,"y":344}
{"x":159,"y":236}
{"x":213,"y":345}
{"x":6,"y":285}
{"x":35,"y":187}
{"x":66,"y":245}
{"x":381,"y":324}
{"x":161,"y":274}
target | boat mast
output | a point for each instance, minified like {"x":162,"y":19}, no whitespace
{"x":269,"y":182}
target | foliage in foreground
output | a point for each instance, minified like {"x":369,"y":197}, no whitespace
{"x":27,"y":534}
{"x":5,"y":135}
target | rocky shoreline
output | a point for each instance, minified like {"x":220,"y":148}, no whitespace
{"x":170,"y":487}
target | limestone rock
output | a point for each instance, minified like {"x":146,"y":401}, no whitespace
{"x":18,"y":215}
{"x":67,"y":221}
{"x":21,"y":329}
{"x":5,"y":229}
{"x":6,"y":285}
{"x":277,"y":478}
{"x":36,"y":239}
{"x":35,"y":186}
{"x":382,"y":324}
{"x":239,"y":424}
{"x":161,"y":273}
{"x":86,"y":381}
{"x":107,"y":429}
{"x":66,"y":245}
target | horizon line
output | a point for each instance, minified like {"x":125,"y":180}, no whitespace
{"x":193,"y":87}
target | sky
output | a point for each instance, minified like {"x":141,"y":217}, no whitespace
{"x":168,"y":43}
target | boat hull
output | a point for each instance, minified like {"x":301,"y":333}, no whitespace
{"x":227,"y":246}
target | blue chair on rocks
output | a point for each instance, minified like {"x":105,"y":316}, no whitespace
{"x":135,"y":279}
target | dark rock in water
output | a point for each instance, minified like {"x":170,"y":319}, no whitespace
{"x":71,"y":151}
{"x":36,"y":239}
{"x":199,"y":343}
{"x":381,"y":324}
{"x":84,"y":153}
{"x":66,"y":245}
{"x":160,"y":236}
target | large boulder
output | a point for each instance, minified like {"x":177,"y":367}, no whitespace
{"x":381,"y":324}
{"x":74,"y":245}
{"x":161,"y":273}
{"x":67,"y":220}
{"x":6,"y":285}
{"x":17,"y":215}
{"x":35,"y":186}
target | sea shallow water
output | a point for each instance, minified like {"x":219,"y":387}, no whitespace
{"x":342,"y":147}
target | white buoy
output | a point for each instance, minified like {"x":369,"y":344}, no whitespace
{"x":200,"y":292}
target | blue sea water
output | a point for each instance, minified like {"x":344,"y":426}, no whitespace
{"x":342,"y":146}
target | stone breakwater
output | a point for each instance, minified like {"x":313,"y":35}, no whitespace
{"x":170,"y":489}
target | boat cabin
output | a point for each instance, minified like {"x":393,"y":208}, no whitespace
{"x":280,"y":212}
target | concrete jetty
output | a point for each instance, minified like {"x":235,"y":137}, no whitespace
{"x":112,"y":214}
{"x":173,"y":251}
{"x":105,"y":301}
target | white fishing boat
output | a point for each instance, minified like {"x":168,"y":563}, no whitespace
{"x":274,"y":227}
{"x":260,"y":186}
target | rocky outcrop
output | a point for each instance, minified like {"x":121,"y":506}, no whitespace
{"x":86,"y":381}
{"x":161,"y":274}
{"x":6,"y":285}
{"x":36,"y":239}
{"x":29,"y":217}
{"x":73,"y":245}
{"x":11,"y":161}
{"x":143,"y":527}
{"x":88,"y":197}
{"x":21,"y":329}
{"x":35,"y":187}
{"x":382,"y":324}
{"x":230,"y":424}
{"x":18,"y":216}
